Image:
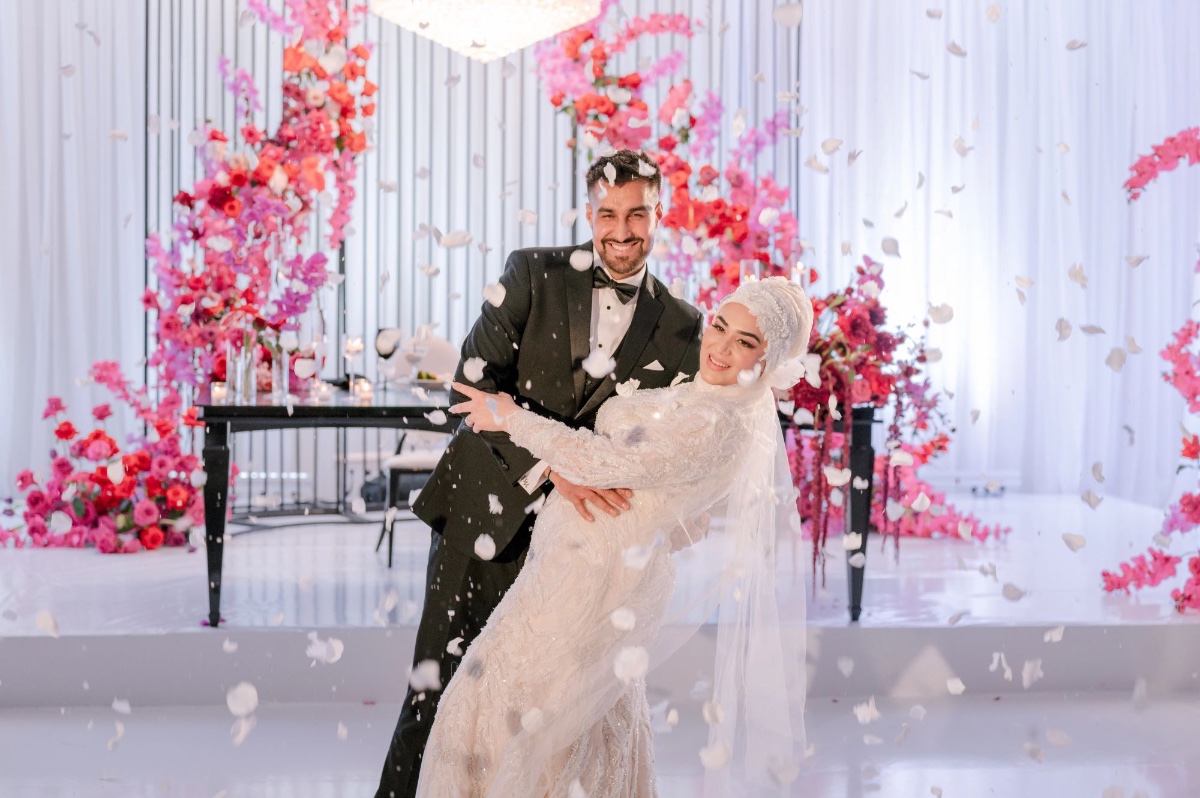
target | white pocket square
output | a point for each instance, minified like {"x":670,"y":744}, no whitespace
{"x":655,"y":366}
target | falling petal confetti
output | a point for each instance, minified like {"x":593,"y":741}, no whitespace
{"x":816,"y":165}
{"x":1066,"y":197}
{"x":623,"y":619}
{"x":993,"y":12}
{"x":851,"y":541}
{"x":494,"y":294}
{"x":890,"y":246}
{"x":457,"y":238}
{"x":1031,"y":673}
{"x":598,"y":365}
{"x":326,"y":651}
{"x":485,"y":547}
{"x":1092,"y":329}
{"x":1089,"y":496}
{"x":715,"y":756}
{"x":837,"y":476}
{"x":961,"y":147}
{"x":1074,"y":542}
{"x":118,"y":134}
{"x":921,"y":503}
{"x":121,"y":706}
{"x":568,"y":220}
{"x":1132,"y":346}
{"x":830,"y":146}
{"x":115,"y":741}
{"x":866,"y":713}
{"x":1098,"y":471}
{"x":955,"y":686}
{"x":1076,"y":273}
{"x":921,"y":75}
{"x":1012,"y":592}
{"x":920,"y":179}
{"x":954,"y":49}
{"x":788,"y":14}
{"x":901,"y":458}
{"x":933,"y":13}
{"x":229,"y":646}
{"x":427,"y":675}
{"x":1076,"y":44}
{"x":242,"y":699}
{"x":437,"y":417}
{"x":631,"y":663}
{"x":1115,"y":359}
{"x":1064,"y":329}
{"x":581,"y":260}
{"x":527,"y":217}
{"x":241,"y":729}
{"x":857,"y":560}
{"x":941,"y":314}
{"x":1058,"y":738}
{"x":1055,"y":635}
{"x":45,"y":622}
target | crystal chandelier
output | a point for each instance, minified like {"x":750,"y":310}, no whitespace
{"x":486,"y":29}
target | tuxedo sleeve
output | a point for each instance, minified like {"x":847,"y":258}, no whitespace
{"x":496,"y":339}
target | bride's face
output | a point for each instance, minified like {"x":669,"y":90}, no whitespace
{"x":731,"y":344}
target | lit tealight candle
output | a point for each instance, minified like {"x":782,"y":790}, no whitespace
{"x":219,"y":393}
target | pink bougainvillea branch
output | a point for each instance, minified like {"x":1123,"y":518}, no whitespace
{"x":229,"y":272}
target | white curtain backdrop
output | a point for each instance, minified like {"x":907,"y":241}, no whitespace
{"x":77,"y":207}
{"x":1052,"y":132}
{"x":71,"y":212}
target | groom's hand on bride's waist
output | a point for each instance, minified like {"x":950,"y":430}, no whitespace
{"x":611,"y":501}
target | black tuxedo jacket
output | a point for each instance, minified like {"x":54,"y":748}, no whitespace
{"x":533,"y":345}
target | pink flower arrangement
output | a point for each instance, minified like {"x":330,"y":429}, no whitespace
{"x":725,"y":217}
{"x":225,"y":276}
{"x":1184,"y":375}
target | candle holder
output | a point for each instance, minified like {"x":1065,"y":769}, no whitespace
{"x":218,"y":393}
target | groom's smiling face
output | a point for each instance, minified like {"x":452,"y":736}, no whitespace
{"x":623,"y":220}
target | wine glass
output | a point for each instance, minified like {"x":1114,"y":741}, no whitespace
{"x":352,"y":349}
{"x":386,"y":341}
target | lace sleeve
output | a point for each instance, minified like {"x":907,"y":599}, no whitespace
{"x":689,"y":444}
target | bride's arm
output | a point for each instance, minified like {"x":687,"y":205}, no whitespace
{"x":675,"y":450}
{"x":671,"y":449}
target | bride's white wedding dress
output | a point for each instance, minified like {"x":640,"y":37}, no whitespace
{"x":550,"y":698}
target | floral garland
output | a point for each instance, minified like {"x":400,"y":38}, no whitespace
{"x":1184,"y":374}
{"x":225,"y":277}
{"x":727,"y":218}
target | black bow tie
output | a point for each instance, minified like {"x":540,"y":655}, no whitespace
{"x":625,"y":291}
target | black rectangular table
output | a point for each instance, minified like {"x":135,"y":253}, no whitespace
{"x":395,"y":409}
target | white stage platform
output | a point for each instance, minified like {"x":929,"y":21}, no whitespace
{"x":130,"y":629}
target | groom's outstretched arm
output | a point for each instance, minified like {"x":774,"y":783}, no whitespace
{"x":496,"y":339}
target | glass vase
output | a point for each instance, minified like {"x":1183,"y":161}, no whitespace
{"x":242,"y":371}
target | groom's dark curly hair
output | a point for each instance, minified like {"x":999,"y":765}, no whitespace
{"x":626,"y":164}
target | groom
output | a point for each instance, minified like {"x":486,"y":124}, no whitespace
{"x":595,"y":302}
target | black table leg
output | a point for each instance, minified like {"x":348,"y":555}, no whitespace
{"x":858,"y":508}
{"x":216,"y":493}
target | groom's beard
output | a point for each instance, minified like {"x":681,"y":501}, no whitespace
{"x":624,"y":264}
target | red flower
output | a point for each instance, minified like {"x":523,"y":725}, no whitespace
{"x":185,"y":199}
{"x":216,"y":135}
{"x":252,"y":134}
{"x":1191,"y":447}
{"x":630,"y":81}
{"x":361,"y":51}
{"x":667,"y":143}
{"x":177,"y":497}
{"x":37,"y":503}
{"x":232,"y":207}
{"x":369,"y":89}
{"x":557,"y":99}
{"x":101,"y":412}
{"x":65,"y":431}
{"x":708,"y":175}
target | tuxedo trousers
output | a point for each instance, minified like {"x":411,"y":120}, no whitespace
{"x":461,"y":593}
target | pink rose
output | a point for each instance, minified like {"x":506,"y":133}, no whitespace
{"x":37,"y":502}
{"x":107,"y":542}
{"x":131,"y":546}
{"x":101,"y":412}
{"x":25,"y":479}
{"x":35,"y":525}
{"x":160,"y":468}
{"x":176,"y":538}
{"x":61,"y":467}
{"x":145,"y":513}
{"x":53,"y":407}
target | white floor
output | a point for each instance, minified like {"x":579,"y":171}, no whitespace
{"x":1057,"y":742}
{"x":970,"y":748}
{"x":327,"y":575}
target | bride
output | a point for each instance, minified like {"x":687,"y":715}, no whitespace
{"x":550,"y":700}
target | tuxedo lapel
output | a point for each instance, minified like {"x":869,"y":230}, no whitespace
{"x":645,"y":317}
{"x":578,"y":290}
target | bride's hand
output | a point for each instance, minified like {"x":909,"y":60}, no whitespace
{"x":485,"y":412}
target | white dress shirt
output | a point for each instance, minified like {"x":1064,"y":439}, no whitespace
{"x":610,"y":321}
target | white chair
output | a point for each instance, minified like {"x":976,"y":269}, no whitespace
{"x":408,"y":470}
